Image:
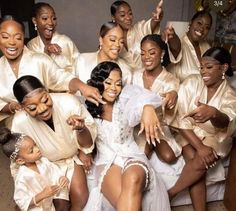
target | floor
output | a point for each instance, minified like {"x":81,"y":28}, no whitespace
{"x":6,"y":191}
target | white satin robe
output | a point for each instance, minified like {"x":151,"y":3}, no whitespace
{"x":187,"y":62}
{"x":164,"y":82}
{"x":66,"y":59}
{"x":29,"y":183}
{"x":224,"y":100}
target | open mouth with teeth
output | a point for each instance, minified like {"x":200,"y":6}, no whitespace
{"x":48,"y":32}
{"x":11,"y":51}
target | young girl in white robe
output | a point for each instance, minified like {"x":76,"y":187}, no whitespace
{"x":37,"y":181}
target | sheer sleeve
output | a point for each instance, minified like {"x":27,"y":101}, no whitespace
{"x":133,"y":99}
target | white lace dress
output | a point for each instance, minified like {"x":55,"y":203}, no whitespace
{"x":116,"y":145}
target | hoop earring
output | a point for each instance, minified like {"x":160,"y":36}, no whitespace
{"x":35,"y":27}
{"x":223,"y":75}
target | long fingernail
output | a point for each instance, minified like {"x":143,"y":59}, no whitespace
{"x":148,"y":141}
{"x":154,"y":143}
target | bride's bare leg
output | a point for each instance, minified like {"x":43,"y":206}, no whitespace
{"x":133,"y":184}
{"x":111,"y":186}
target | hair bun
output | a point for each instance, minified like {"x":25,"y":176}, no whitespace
{"x":5,"y":135}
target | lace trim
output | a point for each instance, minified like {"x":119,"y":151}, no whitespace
{"x":134,"y":162}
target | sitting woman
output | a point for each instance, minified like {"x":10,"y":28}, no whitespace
{"x":155,"y":78}
{"x":38,"y":181}
{"x":125,"y":177}
{"x":59,"y":47}
{"x":60,"y":126}
{"x":111,"y":42}
{"x":206,"y":120}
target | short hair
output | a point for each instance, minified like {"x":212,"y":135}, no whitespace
{"x":115,"y":5}
{"x":156,"y":38}
{"x":24,"y":85}
{"x":98,"y":75}
{"x":222,"y":55}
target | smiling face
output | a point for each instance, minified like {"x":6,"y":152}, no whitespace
{"x":112,"y":43}
{"x":199,"y":28}
{"x":11,"y":39}
{"x":46,"y":22}
{"x":38,"y":104}
{"x":124,"y":16}
{"x":29,"y":152}
{"x":212,"y":71}
{"x":151,"y":55}
{"x":112,"y":86}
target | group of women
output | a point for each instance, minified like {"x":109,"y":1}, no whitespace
{"x":179,"y":103}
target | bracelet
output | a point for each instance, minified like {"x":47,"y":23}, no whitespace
{"x":9,"y":107}
{"x":36,"y":204}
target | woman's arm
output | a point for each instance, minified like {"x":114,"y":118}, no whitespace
{"x":157,"y":16}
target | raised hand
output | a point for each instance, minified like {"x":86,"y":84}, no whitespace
{"x":168,"y":33}
{"x":76,"y":121}
{"x":158,"y":14}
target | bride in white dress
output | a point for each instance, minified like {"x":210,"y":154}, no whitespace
{"x":125,"y":179}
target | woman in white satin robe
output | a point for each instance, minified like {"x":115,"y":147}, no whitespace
{"x":155,"y":78}
{"x":58,"y":46}
{"x":111,"y":43}
{"x":121,"y":13}
{"x":193,"y":45}
{"x":61,"y":127}
{"x":18,"y":60}
{"x":206,"y":120}
{"x":125,"y":178}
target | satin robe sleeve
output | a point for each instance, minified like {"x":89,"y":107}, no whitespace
{"x":79,"y":109}
{"x":22,"y":195}
{"x":54,"y":78}
{"x":185,"y":103}
{"x":133,"y":99}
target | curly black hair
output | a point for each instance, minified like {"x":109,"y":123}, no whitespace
{"x":98,"y":75}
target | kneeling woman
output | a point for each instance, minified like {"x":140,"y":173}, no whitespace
{"x":60,"y":126}
{"x":124,"y":175}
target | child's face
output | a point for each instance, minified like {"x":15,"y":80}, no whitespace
{"x":29,"y":152}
